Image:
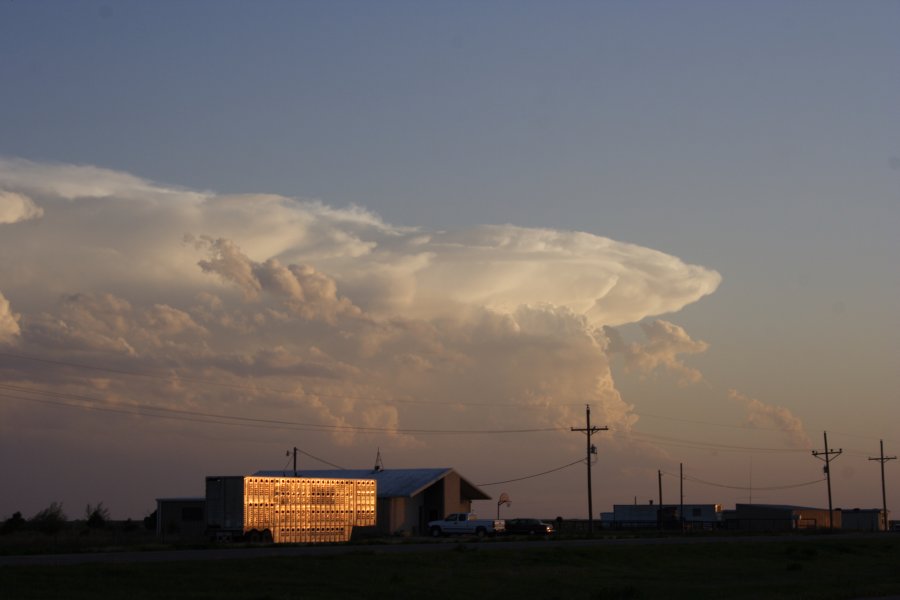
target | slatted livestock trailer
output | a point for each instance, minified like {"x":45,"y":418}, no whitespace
{"x":288,"y":509}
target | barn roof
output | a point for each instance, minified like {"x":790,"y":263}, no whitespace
{"x":391,"y":483}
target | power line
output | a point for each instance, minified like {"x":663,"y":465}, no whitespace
{"x":744,"y":488}
{"x":580,"y":460}
{"x":205,"y":417}
{"x":261,"y":387}
{"x":666,"y":440}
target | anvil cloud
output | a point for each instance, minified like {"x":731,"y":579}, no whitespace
{"x":327,"y":316}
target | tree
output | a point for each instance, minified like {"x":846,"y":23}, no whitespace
{"x":96,"y":516}
{"x":12,"y":524}
{"x":50,"y":520}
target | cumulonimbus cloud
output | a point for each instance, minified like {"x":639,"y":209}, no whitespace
{"x":333,"y":314}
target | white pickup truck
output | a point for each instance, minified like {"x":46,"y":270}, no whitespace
{"x":466,"y":523}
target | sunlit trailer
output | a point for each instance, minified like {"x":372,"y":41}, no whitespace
{"x":288,"y":509}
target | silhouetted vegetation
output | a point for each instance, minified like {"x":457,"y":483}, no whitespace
{"x":51,"y":520}
{"x":13,"y":524}
{"x":96,"y":516}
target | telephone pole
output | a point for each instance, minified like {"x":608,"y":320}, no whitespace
{"x":659,"y":511}
{"x":827,"y":452}
{"x":681,"y":494}
{"x":591,"y":449}
{"x":882,"y":459}
{"x":295,"y":459}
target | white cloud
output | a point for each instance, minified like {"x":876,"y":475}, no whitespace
{"x":760,"y":414}
{"x":17,"y":207}
{"x":9,"y":322}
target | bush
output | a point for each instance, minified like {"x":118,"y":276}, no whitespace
{"x":13,"y":524}
{"x":96,"y":516}
{"x":50,"y":520}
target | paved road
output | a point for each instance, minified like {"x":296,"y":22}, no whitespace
{"x":439,"y":546}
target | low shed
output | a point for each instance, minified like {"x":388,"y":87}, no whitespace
{"x":778,"y":517}
{"x":180,"y":517}
{"x":863,"y":519}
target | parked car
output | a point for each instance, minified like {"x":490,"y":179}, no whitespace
{"x":528,"y":527}
{"x":465,"y":523}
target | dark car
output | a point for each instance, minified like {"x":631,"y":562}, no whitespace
{"x":528,"y":527}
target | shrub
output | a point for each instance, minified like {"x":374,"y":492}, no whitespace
{"x":50,"y":520}
{"x":96,"y":516}
{"x":13,"y":524}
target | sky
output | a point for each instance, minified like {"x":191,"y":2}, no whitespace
{"x":437,"y":231}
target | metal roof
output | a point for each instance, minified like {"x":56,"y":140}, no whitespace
{"x":391,"y":483}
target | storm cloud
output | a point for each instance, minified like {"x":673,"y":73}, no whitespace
{"x":314,"y":317}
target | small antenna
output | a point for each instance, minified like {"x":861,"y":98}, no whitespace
{"x":379,"y":466}
{"x":288,"y":453}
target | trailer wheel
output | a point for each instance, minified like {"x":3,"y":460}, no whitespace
{"x":266,"y":537}
{"x":481,"y":532}
{"x":435,"y":532}
{"x":253,"y":536}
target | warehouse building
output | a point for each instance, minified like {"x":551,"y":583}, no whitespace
{"x":638,"y":516}
{"x":863,"y":519}
{"x":778,"y":517}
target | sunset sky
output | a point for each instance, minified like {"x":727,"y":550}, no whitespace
{"x":439,"y":230}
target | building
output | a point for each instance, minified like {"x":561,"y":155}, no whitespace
{"x":636,"y":516}
{"x":863,"y":519}
{"x":180,"y":518}
{"x":407,"y":499}
{"x":778,"y":517}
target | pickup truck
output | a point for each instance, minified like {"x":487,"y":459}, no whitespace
{"x":466,"y":523}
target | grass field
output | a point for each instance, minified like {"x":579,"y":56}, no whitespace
{"x":810,"y":568}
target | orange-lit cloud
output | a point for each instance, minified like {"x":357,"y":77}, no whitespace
{"x":17,"y":207}
{"x":9,"y":322}
{"x":666,"y":343}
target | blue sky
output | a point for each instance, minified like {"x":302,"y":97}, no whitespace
{"x":758,"y":140}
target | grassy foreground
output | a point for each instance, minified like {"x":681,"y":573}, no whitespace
{"x":821,"y":568}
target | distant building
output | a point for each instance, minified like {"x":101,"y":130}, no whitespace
{"x":180,"y":518}
{"x":863,"y":519}
{"x":406,"y":498}
{"x":778,"y":517}
{"x":637,"y":516}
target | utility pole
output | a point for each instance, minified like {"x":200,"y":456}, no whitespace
{"x":827,"y":452}
{"x":659,"y":511}
{"x":591,"y":449}
{"x":681,"y":494}
{"x":882,"y":459}
{"x":295,"y":460}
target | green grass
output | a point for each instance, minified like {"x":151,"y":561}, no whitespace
{"x":812,"y":568}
